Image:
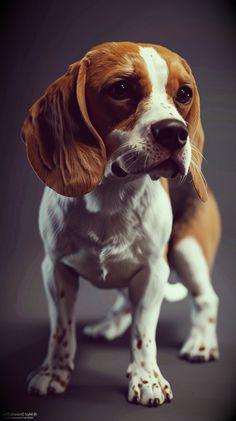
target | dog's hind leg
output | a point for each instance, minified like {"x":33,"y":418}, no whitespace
{"x":192,"y":250}
{"x":115,"y":323}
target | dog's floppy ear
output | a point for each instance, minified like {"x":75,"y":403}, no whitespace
{"x":63,"y":147}
{"x":196,"y":136}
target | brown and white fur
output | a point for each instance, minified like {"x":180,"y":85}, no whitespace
{"x":107,"y":214}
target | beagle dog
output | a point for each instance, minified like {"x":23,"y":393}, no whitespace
{"x":108,"y":138}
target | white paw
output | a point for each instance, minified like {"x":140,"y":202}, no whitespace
{"x":201,"y":346}
{"x":147,"y":386}
{"x":47,"y":380}
{"x":110,"y":328}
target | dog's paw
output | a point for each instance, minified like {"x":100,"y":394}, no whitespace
{"x":200,"y":347}
{"x":47,"y":380}
{"x":147,"y":386}
{"x":110,"y":328}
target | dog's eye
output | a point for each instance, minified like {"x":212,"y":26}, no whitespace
{"x":184,"y":95}
{"x":120,"y":90}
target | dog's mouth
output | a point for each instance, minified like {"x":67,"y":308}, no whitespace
{"x":169,"y":168}
{"x":117,"y":170}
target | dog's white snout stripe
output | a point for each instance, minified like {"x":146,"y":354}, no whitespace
{"x":160,"y":107}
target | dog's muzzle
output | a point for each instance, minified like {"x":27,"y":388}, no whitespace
{"x":171,"y":136}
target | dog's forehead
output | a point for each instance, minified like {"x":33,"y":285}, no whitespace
{"x":113,"y":59}
{"x":165,"y":69}
{"x":156,"y":68}
{"x":153,"y":65}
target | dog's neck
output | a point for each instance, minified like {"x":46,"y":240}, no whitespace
{"x":116,"y":195}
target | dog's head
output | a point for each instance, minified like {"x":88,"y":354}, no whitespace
{"x":132,"y":107}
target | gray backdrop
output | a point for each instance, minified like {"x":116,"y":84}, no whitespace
{"x":39,"y":40}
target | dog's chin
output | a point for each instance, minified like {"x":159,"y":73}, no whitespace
{"x":169,"y":168}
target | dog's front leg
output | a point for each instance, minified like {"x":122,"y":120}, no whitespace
{"x":147,"y":386}
{"x":61,"y":285}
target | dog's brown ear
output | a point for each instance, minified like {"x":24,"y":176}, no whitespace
{"x":196,"y":136}
{"x":63,"y":147}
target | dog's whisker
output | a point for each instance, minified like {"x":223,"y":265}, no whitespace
{"x":195,"y":149}
{"x":124,"y":149}
{"x":198,"y":169}
{"x":181,"y":180}
{"x":130,"y":165}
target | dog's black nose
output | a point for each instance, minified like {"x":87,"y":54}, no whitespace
{"x":170,"y":133}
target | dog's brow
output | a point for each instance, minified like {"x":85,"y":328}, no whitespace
{"x":115,"y":77}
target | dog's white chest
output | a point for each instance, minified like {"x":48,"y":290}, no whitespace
{"x":108,"y":249}
{"x":108,"y":255}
